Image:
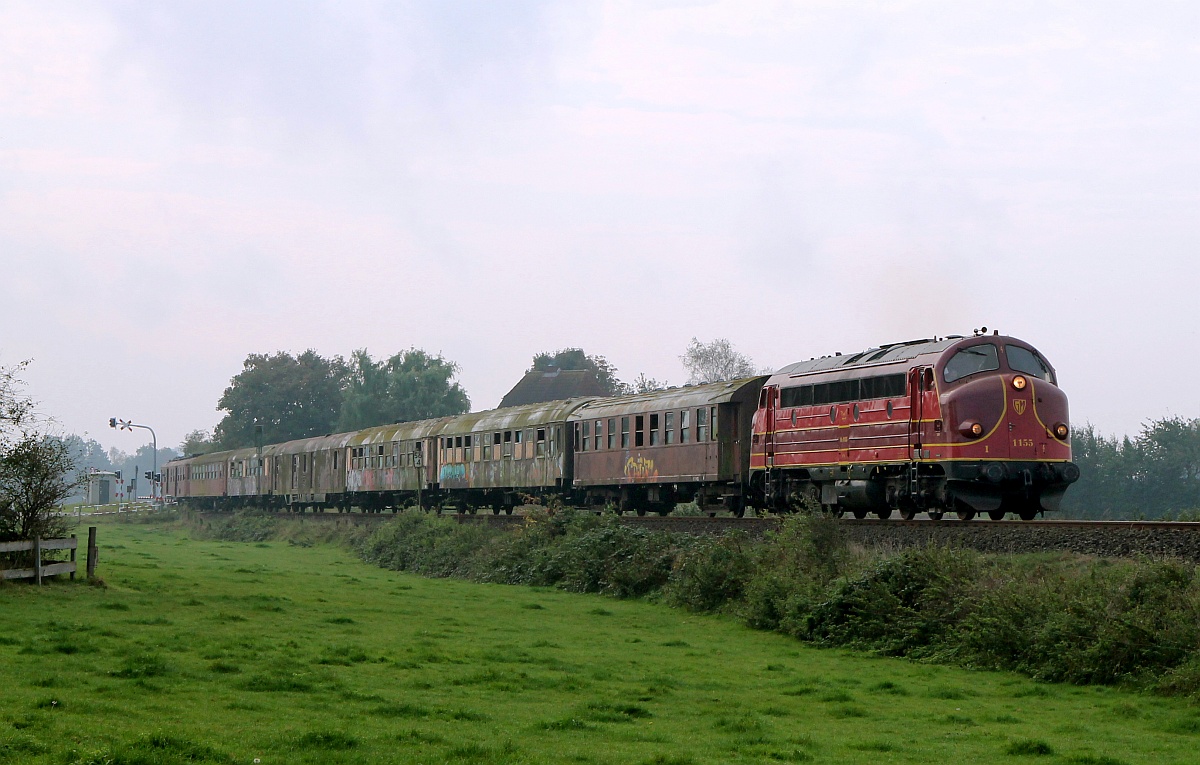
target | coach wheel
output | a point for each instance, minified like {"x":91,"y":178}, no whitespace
{"x":495,"y":511}
{"x":966,"y":515}
{"x":860,"y":514}
{"x":935,"y":515}
{"x":508,"y":511}
{"x":996,"y":515}
{"x":884,"y":514}
{"x":1028,"y":515}
{"x":908,"y":513}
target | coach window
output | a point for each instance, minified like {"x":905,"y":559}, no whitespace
{"x":712,"y":423}
{"x":969,"y":361}
{"x":487,"y":447}
{"x":612,"y":434}
{"x":541,"y":442}
{"x":654,"y":430}
{"x":518,"y":444}
{"x":669,"y":428}
{"x":529,"y":442}
{"x":624,"y":432}
{"x":599,"y":434}
{"x":639,"y":427}
{"x":685,"y":426}
{"x":701,"y":424}
{"x":586,"y":428}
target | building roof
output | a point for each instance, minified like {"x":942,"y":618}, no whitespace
{"x":536,"y":387}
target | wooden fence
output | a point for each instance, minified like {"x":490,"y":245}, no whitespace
{"x":40,"y":569}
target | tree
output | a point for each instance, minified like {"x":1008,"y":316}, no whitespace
{"x":645,"y":384}
{"x":575,"y":358}
{"x":198,"y":442}
{"x":289,"y":396}
{"x":36,"y":474}
{"x":411,"y":385}
{"x":715,"y":362}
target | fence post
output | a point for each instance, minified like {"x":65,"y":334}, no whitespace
{"x":91,"y":552}
{"x":73,"y":549}
{"x":37,"y":560}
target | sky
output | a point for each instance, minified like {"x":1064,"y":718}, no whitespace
{"x":183,"y":184}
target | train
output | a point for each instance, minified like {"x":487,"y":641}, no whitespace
{"x":970,"y":425}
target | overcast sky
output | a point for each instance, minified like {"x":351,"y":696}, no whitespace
{"x":185,"y":183}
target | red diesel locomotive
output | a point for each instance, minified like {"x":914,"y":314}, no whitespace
{"x":963,"y":424}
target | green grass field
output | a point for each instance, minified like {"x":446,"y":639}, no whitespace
{"x":232,"y":652}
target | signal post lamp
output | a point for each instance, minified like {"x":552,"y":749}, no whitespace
{"x":152,"y":476}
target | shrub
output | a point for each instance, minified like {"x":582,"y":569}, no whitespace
{"x":710,"y":573}
{"x":905,"y":604}
{"x":614,"y":559}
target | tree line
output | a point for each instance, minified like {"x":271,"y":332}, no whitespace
{"x":281,"y":397}
{"x":1154,"y":474}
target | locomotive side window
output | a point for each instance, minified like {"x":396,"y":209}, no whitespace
{"x":1027,"y":361}
{"x":972,"y":360}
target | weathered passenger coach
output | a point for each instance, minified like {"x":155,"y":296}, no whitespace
{"x":965,"y":424}
{"x":650,"y":451}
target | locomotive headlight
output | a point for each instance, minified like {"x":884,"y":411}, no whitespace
{"x":1061,"y":431}
{"x":1019,"y":382}
{"x":971,"y":429}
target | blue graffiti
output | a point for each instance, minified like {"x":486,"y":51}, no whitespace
{"x":453,"y":473}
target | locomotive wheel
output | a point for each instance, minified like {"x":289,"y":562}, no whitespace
{"x":640,"y":511}
{"x":935,"y":515}
{"x":884,"y":514}
{"x":1028,"y":515}
{"x":860,"y":514}
{"x":966,"y":515}
{"x":508,"y":511}
{"x":908,"y":513}
{"x":996,"y":515}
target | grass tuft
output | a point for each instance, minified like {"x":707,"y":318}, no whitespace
{"x":1029,"y":747}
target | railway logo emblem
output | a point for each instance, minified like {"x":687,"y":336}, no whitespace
{"x":1019,"y":405}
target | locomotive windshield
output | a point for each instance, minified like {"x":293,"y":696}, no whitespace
{"x":1027,"y":361}
{"x":972,"y":360}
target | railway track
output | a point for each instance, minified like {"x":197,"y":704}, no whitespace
{"x":1117,"y":539}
